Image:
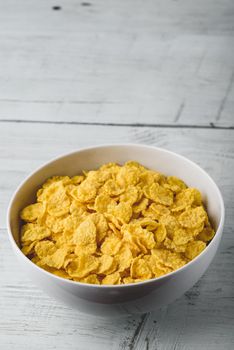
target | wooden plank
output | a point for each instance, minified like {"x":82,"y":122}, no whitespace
{"x":151,"y":62}
{"x":201,"y":319}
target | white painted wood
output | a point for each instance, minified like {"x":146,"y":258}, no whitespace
{"x":201,"y":319}
{"x":155,"y":62}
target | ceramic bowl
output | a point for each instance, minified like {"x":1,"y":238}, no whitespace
{"x":119,"y":300}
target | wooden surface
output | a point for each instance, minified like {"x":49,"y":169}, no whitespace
{"x":157,"y":72}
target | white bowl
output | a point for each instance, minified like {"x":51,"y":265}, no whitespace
{"x":120,"y":299}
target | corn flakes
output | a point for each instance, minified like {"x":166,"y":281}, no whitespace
{"x":32,"y":212}
{"x":113,"y":278}
{"x":115,"y":225}
{"x":140,"y":269}
{"x":85,"y":237}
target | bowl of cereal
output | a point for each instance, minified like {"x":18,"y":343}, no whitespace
{"x":115,"y":230}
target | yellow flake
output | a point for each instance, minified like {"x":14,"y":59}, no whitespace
{"x":175,"y":184}
{"x":91,"y":279}
{"x":102,"y":202}
{"x":29,"y":248}
{"x":113,"y":278}
{"x":85,"y":192}
{"x":44,"y":248}
{"x":85,"y":237}
{"x":130,"y":196}
{"x":160,"y":233}
{"x":140,"y":206}
{"x":108,"y":264}
{"x":112,"y":188}
{"x":32,"y":212}
{"x":56,"y":259}
{"x":127,"y":176}
{"x":140,"y":269}
{"x":124,"y":258}
{"x":147,"y":223}
{"x":76,"y":180}
{"x":60,"y":273}
{"x":82,"y":265}
{"x":122,"y":212}
{"x":182,"y":236}
{"x":206,"y":234}
{"x":32,"y":232}
{"x":114,"y":220}
{"x":170,"y":223}
{"x":101,"y":225}
{"x":194,"y":249}
{"x":159,"y":194}
{"x":186,"y":198}
{"x":111,"y":245}
{"x":78,"y":209}
{"x":193,"y":217}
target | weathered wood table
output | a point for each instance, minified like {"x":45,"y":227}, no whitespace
{"x":74,"y":74}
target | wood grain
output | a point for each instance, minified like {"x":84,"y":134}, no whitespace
{"x":151,"y":62}
{"x":201,"y":319}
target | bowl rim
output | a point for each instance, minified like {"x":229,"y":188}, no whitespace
{"x":116,"y":286}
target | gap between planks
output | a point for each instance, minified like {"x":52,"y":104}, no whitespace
{"x":138,"y":125}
